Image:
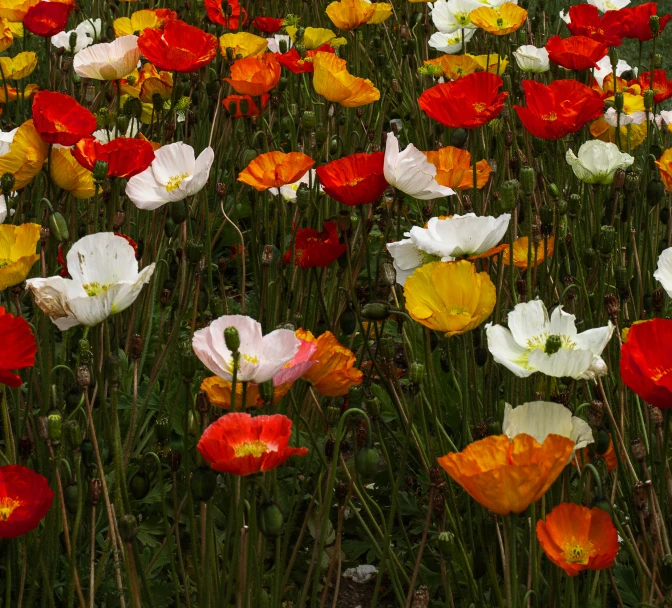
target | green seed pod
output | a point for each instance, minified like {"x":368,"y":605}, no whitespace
{"x":621,"y":278}
{"x":355,"y":396}
{"x":308,"y":120}
{"x":562,"y":207}
{"x":73,"y":434}
{"x":607,"y":240}
{"x":332,"y":415}
{"x":386,"y":347}
{"x":654,"y":24}
{"x":553,"y":190}
{"x":58,"y":226}
{"x":55,"y":427}
{"x":128,"y":527}
{"x":133,"y":107}
{"x":574,"y":205}
{"x":458,"y":137}
{"x":367,"y":462}
{"x":232,"y":339}
{"x":71,"y":497}
{"x":320,"y":136}
{"x":589,"y":258}
{"x":271,"y":520}
{"x":162,"y":428}
{"x":655,"y":191}
{"x":203,"y":483}
{"x":664,"y":215}
{"x":188,"y":364}
{"x":507,"y":195}
{"x":333,"y":146}
{"x":178,"y":211}
{"x":303,"y":197}
{"x":86,"y":450}
{"x":373,"y":406}
{"x":494,"y":426}
{"x":553,"y":344}
{"x":601,"y":441}
{"x":7,"y":183}
{"x":446,"y":543}
{"x":100,"y":171}
{"x":527,"y":179}
{"x":348,"y":321}
{"x":194,"y":250}
{"x":169,"y":227}
{"x":139,"y":485}
{"x":416,"y":373}
{"x":619,"y":101}
{"x":375,"y":311}
{"x":648,"y":99}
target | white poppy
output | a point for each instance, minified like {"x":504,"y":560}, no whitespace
{"x":612,"y":118}
{"x":411,"y":172}
{"x":532,"y":59}
{"x":597,"y":161}
{"x":274,"y":43}
{"x":6,"y":139}
{"x":85,"y":35}
{"x":604,"y":69}
{"x":406,"y":257}
{"x":175,"y":174}
{"x":452,"y":15}
{"x":663,"y":272}
{"x":539,"y":419}
{"x":450,"y":43}
{"x":666,"y":116}
{"x":105,"y":136}
{"x":565,"y":17}
{"x":609,"y":5}
{"x":108,"y":60}
{"x":522,"y":348}
{"x":91,"y":27}
{"x":261,"y":357}
{"x":288,"y":191}
{"x":105,"y":281}
{"x":496,"y":3}
{"x":460,"y":235}
{"x":3,"y":208}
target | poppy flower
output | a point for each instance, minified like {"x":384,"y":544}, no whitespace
{"x":588,"y":455}
{"x":637,"y":21}
{"x":577,"y":538}
{"x":268,"y":25}
{"x":179,"y":47}
{"x":350,"y":14}
{"x":234,"y":107}
{"x":585,"y":20}
{"x":17,"y":252}
{"x":664,"y":164}
{"x":25,"y":156}
{"x":275,"y":169}
{"x":289,"y":191}
{"x":558,"y":109}
{"x":108,"y":60}
{"x":576,"y":52}
{"x":15,"y":10}
{"x":147,"y":82}
{"x":646,"y":362}
{"x":332,"y":80}
{"x":59,"y":119}
{"x":357,"y":179}
{"x":313,"y":248}
{"x":25,"y":498}
{"x":18,"y":67}
{"x":507,"y":476}
{"x":597,"y":162}
{"x":125,"y":157}
{"x":467,"y":103}
{"x":315,"y":37}
{"x":455,"y":170}
{"x":17,"y":349}
{"x":242,"y":445}
{"x":293,"y":61}
{"x":254,"y":75}
{"x":46,"y":19}
{"x":662,"y":87}
{"x":6,"y":35}
{"x":12,"y":94}
{"x":217,"y":13}
{"x":242,"y":44}
{"x":68,"y":174}
{"x":532,"y":59}
{"x":140,"y":20}
{"x":520,"y":252}
{"x":333,"y":373}
{"x":500,"y":21}
{"x":632,"y":119}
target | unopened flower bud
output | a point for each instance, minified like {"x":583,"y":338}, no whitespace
{"x":527,"y":180}
{"x":607,"y":240}
{"x":232,"y":339}
{"x":7,"y":183}
{"x":619,"y":101}
{"x":655,"y":191}
{"x":100,"y":171}
{"x":128,"y":527}
{"x":507,"y":195}
{"x":654,"y":24}
{"x":648,"y":99}
{"x":375,"y":311}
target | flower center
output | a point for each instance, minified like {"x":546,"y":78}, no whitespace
{"x":550,"y":116}
{"x":576,"y":553}
{"x":93,"y":289}
{"x":60,"y":126}
{"x":254,"y":448}
{"x":7,"y":507}
{"x":250,"y":359}
{"x":4,"y":262}
{"x":175,"y":181}
{"x":480,"y":106}
{"x":455,"y":310}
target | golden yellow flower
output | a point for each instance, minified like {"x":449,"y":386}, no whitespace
{"x":315,"y":37}
{"x":139,"y":21}
{"x":243,"y":43}
{"x":26,"y":155}
{"x":455,"y":170}
{"x":665,"y":167}
{"x":6,"y":35}
{"x":455,"y":66}
{"x":143,"y":84}
{"x":382,"y":13}
{"x":15,"y":10}
{"x":219,"y":393}
{"x":13,"y":94}
{"x":520,"y":252}
{"x":18,"y":67}
{"x":350,"y":14}
{"x":508,"y":476}
{"x":500,"y":21}
{"x":332,"y":80}
{"x":450,"y":297}
{"x":633,"y":134}
{"x":496,"y":64}
{"x":70,"y":175}
{"x":148,"y":114}
{"x":17,"y":252}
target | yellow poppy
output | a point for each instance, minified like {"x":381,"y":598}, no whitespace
{"x":219,"y":393}
{"x":243,"y":43}
{"x":17,"y":252}
{"x":665,"y":167}
{"x":382,"y":13}
{"x":496,"y":64}
{"x":144,"y":83}
{"x":139,"y":21}
{"x":631,"y":134}
{"x":455,"y":66}
{"x":507,"y":476}
{"x":70,"y":175}
{"x":455,"y":170}
{"x":21,"y":66}
{"x":315,"y":37}
{"x":13,"y":94}
{"x":500,"y":21}
{"x":332,"y":80}
{"x":15,"y":10}
{"x":26,"y":155}
{"x":350,"y":14}
{"x":520,"y":252}
{"x":6,"y":35}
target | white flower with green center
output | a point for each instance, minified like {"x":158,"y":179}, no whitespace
{"x":105,"y":281}
{"x":452,"y":15}
{"x":609,"y":5}
{"x":535,"y":343}
{"x":175,"y":174}
{"x":451,"y":43}
{"x":260,"y":357}
{"x":532,"y":59}
{"x":598,"y":161}
{"x":288,"y":191}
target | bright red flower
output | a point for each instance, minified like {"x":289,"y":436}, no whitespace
{"x":466,"y":103}
{"x":295,"y":63}
{"x":636,"y":21}
{"x":59,"y":119}
{"x":17,"y":348}
{"x":646,"y":361}
{"x":179,"y":47}
{"x":315,"y":249}
{"x":239,"y":444}
{"x":354,"y":180}
{"x":662,"y":87}
{"x":47,"y":19}
{"x":217,"y":14}
{"x":125,"y":157}
{"x":268,"y":25}
{"x":586,"y":21}
{"x":252,"y":107}
{"x":561,"y":108}
{"x":25,"y":498}
{"x":576,"y":52}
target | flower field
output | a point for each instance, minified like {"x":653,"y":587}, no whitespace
{"x":335,"y":304}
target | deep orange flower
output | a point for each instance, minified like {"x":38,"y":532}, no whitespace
{"x":233,"y":102}
{"x":239,"y":444}
{"x":637,"y":21}
{"x":467,"y":103}
{"x":577,"y":538}
{"x":665,"y":167}
{"x":217,"y":13}
{"x":455,"y":170}
{"x":357,"y":179}
{"x":255,"y":75}
{"x":576,"y":52}
{"x":59,"y":119}
{"x":219,"y":393}
{"x":585,"y":20}
{"x":268,"y":25}
{"x":25,"y":498}
{"x":662,"y":87}
{"x":587,"y":455}
{"x":275,"y":169}
{"x":302,"y":65}
{"x":313,"y":248}
{"x":520,"y":252}
{"x":179,"y":47}
{"x":47,"y":19}
{"x":125,"y":157}
{"x":507,"y":476}
{"x":333,"y":373}
{"x":17,"y":348}
{"x":500,"y":21}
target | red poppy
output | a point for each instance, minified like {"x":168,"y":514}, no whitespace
{"x":302,"y":65}
{"x":466,"y":103}
{"x":239,"y":444}
{"x":586,"y":21}
{"x":316,"y":249}
{"x":268,"y":25}
{"x":637,"y":21}
{"x":179,"y":47}
{"x":233,"y":102}
{"x":59,"y":119}
{"x":357,"y":179}
{"x":17,"y":348}
{"x":576,"y":52}
{"x":47,"y":19}
{"x":25,"y":498}
{"x":662,"y":87}
{"x":646,"y":362}
{"x":125,"y":157}
{"x":217,"y":13}
{"x":558,"y":109}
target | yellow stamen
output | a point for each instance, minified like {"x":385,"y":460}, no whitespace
{"x":7,"y":506}
{"x":250,"y":448}
{"x":175,"y":181}
{"x":93,"y":289}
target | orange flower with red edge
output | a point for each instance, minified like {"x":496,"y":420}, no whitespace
{"x":125,"y":157}
{"x":275,"y":169}
{"x":59,"y":119}
{"x":467,"y":103}
{"x":17,"y":348}
{"x":46,"y":19}
{"x":455,"y":170}
{"x":254,"y":75}
{"x":217,"y":13}
{"x":577,"y":538}
{"x":25,"y":499}
{"x":664,"y":164}
{"x":501,"y":21}
{"x":179,"y":47}
{"x":520,"y":252}
{"x":662,"y":87}
{"x":301,"y":65}
{"x":312,"y":248}
{"x":332,"y":80}
{"x":242,"y":445}
{"x":243,"y":106}
{"x":357,"y":179}
{"x":576,"y":52}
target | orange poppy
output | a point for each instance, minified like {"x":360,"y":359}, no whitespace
{"x":665,"y":167}
{"x":13,"y":94}
{"x":219,"y":393}
{"x":236,"y":108}
{"x":500,"y":21}
{"x":350,"y":14}
{"x":275,"y":169}
{"x":255,"y":75}
{"x":575,"y":52}
{"x":577,"y":538}
{"x":585,"y":456}
{"x":59,"y":119}
{"x":144,"y":83}
{"x":507,"y":476}
{"x":332,"y":80}
{"x":125,"y":156}
{"x":520,"y":252}
{"x":455,"y":170}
